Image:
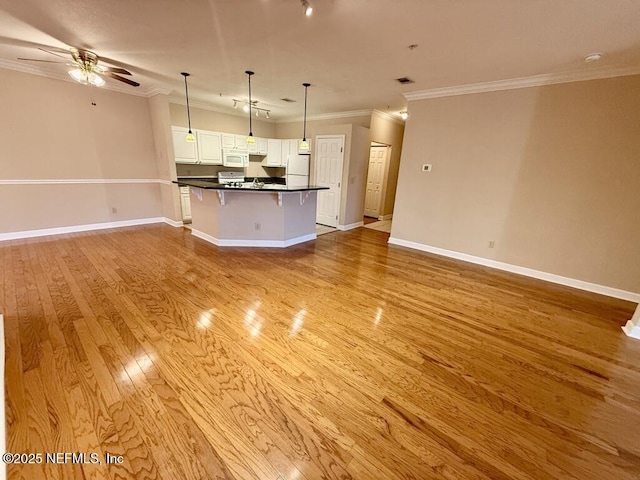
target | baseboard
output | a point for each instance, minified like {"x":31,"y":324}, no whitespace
{"x":252,"y":243}
{"x":79,"y":228}
{"x":351,"y":226}
{"x":386,"y":217}
{"x":632,"y":330}
{"x":3,"y":435}
{"x":173,"y":223}
{"x":528,"y":272}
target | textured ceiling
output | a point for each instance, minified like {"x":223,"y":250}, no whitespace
{"x":351,"y":51}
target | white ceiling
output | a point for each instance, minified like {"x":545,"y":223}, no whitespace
{"x":351,"y":51}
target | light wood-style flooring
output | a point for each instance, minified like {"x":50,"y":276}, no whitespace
{"x":341,"y":358}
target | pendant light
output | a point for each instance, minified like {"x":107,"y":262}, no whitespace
{"x":304,"y":145}
{"x":250,"y":139}
{"x":190,"y":136}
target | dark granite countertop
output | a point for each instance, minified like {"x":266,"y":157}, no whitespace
{"x":247,"y":186}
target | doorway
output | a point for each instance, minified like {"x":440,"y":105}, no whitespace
{"x":328,"y":173}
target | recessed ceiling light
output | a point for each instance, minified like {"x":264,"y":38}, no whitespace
{"x":593,"y":57}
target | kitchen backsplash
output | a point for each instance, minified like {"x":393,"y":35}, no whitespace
{"x":255,"y":169}
{"x":185,"y":170}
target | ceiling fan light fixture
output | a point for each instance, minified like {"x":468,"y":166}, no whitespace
{"x":245,"y":109}
{"x":96,"y":80}
{"x":78,"y":75}
{"x":267,"y":114}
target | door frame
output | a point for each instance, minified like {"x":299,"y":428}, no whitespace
{"x":315,"y":168}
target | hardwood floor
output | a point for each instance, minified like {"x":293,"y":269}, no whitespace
{"x":339,"y":358}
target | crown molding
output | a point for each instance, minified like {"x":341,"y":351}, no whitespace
{"x":387,"y":116}
{"x":157,"y":90}
{"x":327,"y":116}
{"x":35,"y":70}
{"x":524,"y":82}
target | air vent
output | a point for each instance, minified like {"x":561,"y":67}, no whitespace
{"x":288,"y":100}
{"x":404,"y":80}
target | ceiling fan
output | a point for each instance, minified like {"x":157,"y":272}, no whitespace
{"x":87,"y":70}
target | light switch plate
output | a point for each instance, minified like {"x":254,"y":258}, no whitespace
{"x":427,"y":167}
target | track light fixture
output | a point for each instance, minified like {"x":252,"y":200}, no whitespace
{"x":308,"y":9}
{"x":404,"y":115}
{"x":254,"y":106}
{"x":190,"y":136}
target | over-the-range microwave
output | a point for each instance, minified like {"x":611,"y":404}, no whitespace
{"x":235,"y":158}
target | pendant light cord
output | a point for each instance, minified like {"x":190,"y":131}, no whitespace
{"x":186,"y":91}
{"x":304,"y":129}
{"x":249,"y":73}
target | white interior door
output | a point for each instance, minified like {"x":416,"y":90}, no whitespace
{"x":375,"y":179}
{"x":329,"y":160}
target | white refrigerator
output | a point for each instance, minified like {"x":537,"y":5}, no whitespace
{"x":298,"y":170}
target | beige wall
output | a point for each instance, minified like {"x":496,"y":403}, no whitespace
{"x":294,"y":129}
{"x":51,"y":131}
{"x":357,"y":178}
{"x":161,"y":124}
{"x":551,"y":174}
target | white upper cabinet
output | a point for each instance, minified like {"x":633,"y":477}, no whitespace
{"x":209,"y":147}
{"x":185,"y":152}
{"x":231,"y":141}
{"x":274,"y":153}
{"x":228,"y":141}
{"x":258,"y":148}
{"x":241,"y":142}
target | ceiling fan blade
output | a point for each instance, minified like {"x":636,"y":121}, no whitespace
{"x":52,"y":53}
{"x":119,"y":70}
{"x":36,"y":60}
{"x":122,"y":79}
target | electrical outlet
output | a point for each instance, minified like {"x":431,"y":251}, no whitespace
{"x":427,"y":167}
{"x":257,"y":226}
{"x":492,"y":243}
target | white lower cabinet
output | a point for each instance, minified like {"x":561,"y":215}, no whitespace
{"x":185,"y":202}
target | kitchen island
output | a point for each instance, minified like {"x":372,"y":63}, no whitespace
{"x":252,"y":216}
